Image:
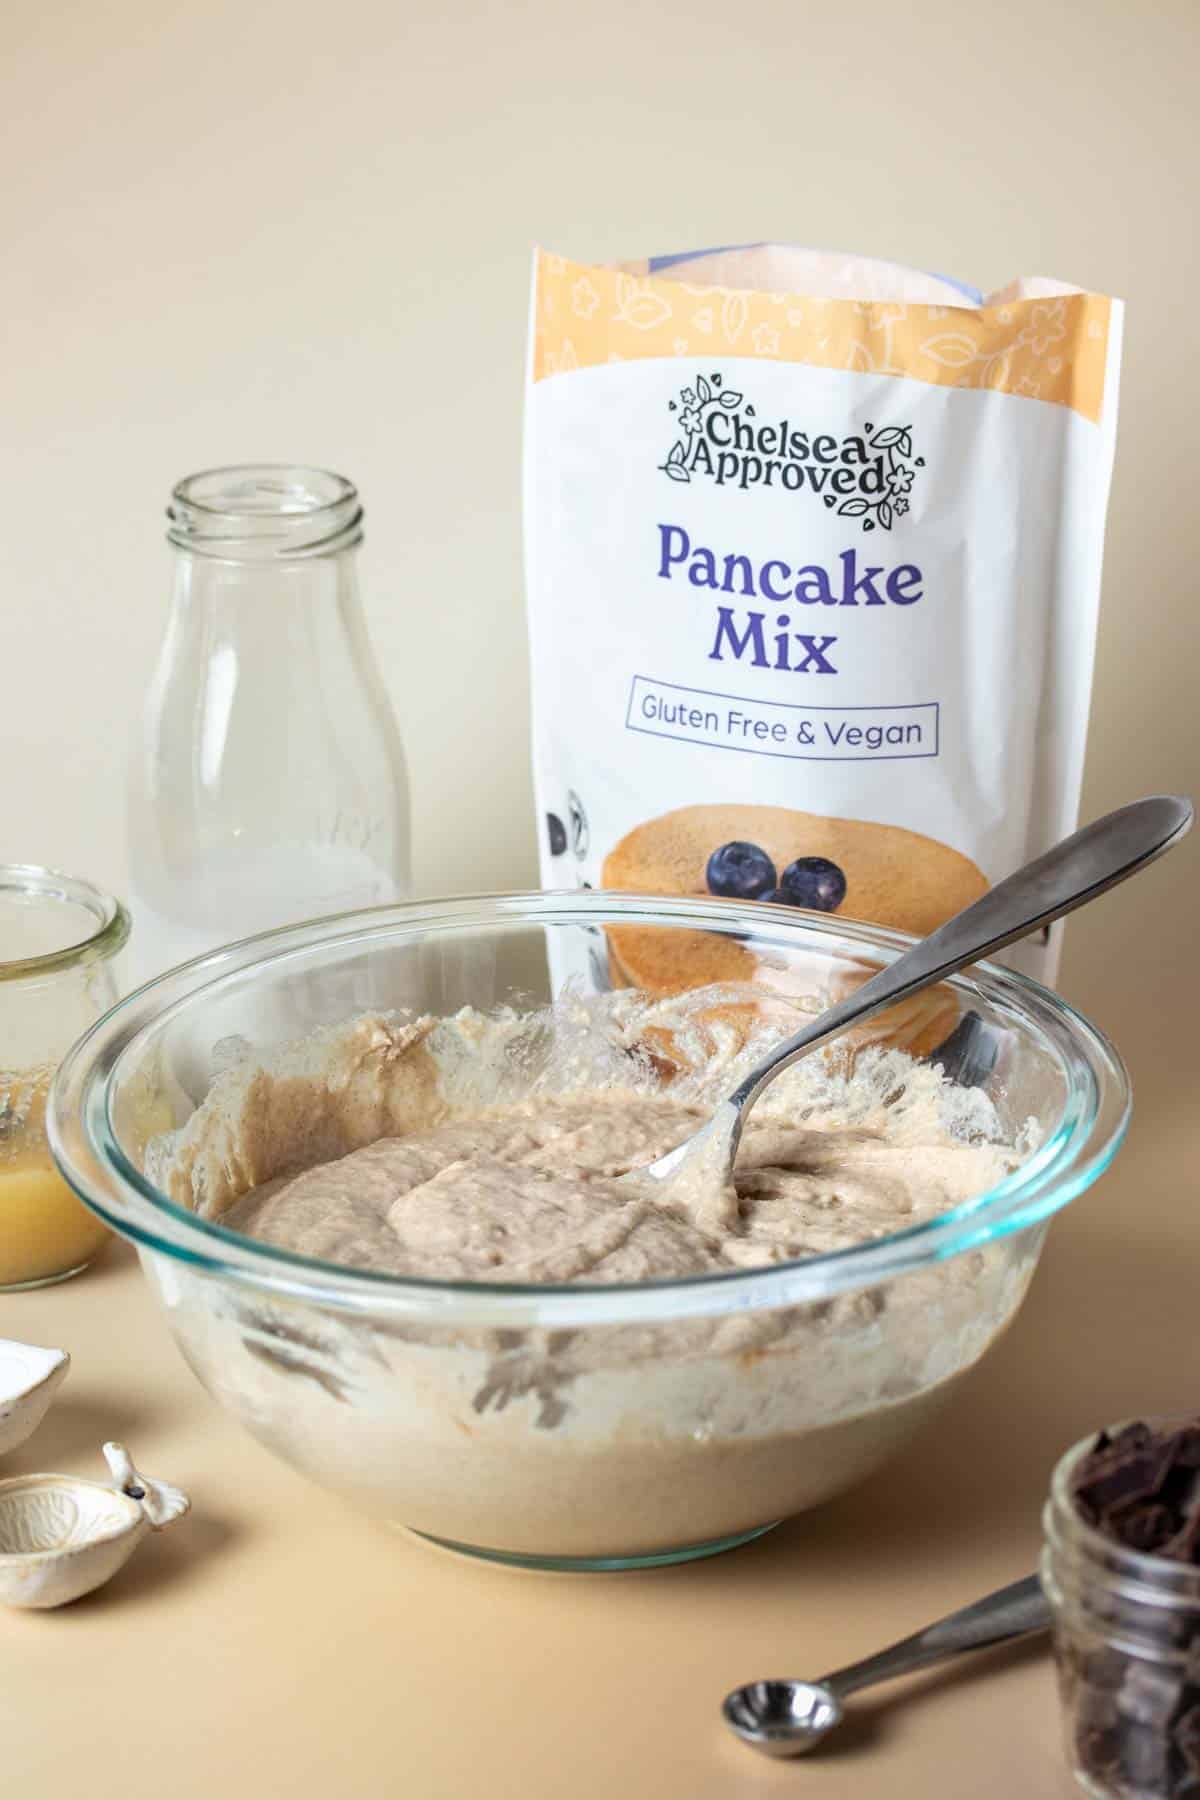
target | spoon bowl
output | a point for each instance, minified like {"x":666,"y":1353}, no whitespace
{"x":782,"y":1718}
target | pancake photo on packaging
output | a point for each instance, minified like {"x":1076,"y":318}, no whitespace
{"x":850,"y":868}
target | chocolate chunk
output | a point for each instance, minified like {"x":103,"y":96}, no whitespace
{"x":1188,"y":1453}
{"x":1148,"y":1695}
{"x":1184,"y":1545}
{"x":1142,"y":1526}
{"x":1096,"y":1710}
{"x":1141,"y":1488}
{"x":1098,"y":1749}
{"x":1180,"y":1489}
{"x":1132,"y":1436}
{"x":1118,"y":1478}
{"x":1103,"y":1668}
{"x":1144,"y":1759}
{"x":1187,"y":1739}
{"x":1085,"y":1508}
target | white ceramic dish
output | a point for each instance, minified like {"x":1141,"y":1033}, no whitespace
{"x":61,"y":1537}
{"x":29,"y":1379}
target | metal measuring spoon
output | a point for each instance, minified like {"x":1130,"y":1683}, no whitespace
{"x":786,"y":1718}
{"x":1072,"y":873}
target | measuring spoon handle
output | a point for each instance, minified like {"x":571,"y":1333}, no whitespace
{"x":1011,"y":1612}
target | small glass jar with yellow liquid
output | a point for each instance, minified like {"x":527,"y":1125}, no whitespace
{"x":58,"y":938}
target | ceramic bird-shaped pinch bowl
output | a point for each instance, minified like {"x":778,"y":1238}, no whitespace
{"x":29,"y":1377}
{"x":61,"y":1537}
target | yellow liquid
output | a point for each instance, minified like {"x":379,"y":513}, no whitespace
{"x":44,"y":1229}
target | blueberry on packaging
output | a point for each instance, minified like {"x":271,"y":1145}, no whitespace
{"x":786,"y":514}
{"x":740,"y":872}
{"x":813,"y":882}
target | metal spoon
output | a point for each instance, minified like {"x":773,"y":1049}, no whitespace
{"x":1069,"y":875}
{"x":786,"y":1718}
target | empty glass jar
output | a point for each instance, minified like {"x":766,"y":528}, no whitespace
{"x":58,"y":938}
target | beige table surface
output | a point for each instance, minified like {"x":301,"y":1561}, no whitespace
{"x":274,"y":1644}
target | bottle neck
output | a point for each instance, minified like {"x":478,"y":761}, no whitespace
{"x":266,"y":553}
{"x":265,"y":516}
{"x":249,"y":599}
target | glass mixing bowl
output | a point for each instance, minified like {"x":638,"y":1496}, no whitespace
{"x":599,"y":1426}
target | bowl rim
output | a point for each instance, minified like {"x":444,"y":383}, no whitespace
{"x":1089,"y":1131}
{"x":107,"y":937}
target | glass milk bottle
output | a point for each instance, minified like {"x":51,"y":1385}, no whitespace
{"x":268,"y":781}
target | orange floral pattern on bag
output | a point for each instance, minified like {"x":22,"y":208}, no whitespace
{"x":1052,"y":349}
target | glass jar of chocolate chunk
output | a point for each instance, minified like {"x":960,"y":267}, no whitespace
{"x":1121,"y":1570}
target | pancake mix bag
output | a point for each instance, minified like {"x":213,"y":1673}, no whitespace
{"x":813,"y":550}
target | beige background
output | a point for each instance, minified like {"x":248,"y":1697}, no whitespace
{"x":292,"y":231}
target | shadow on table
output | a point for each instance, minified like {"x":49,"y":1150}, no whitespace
{"x":868,"y":1716}
{"x":71,"y":1436}
{"x":167,"y":1561}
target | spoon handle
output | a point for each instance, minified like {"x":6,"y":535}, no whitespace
{"x":1011,"y":1612}
{"x":1069,"y":875}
